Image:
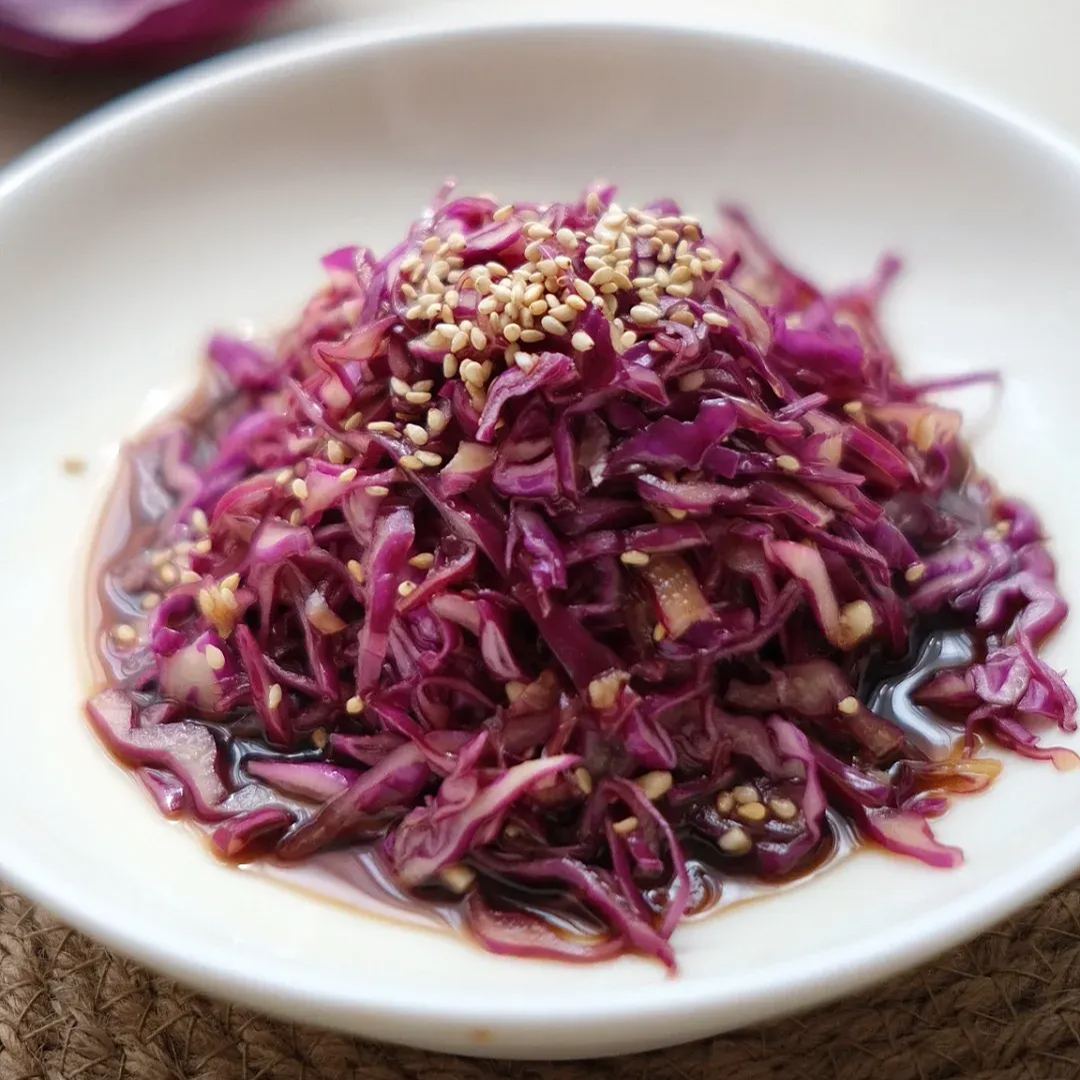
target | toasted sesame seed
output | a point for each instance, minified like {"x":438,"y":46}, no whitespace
{"x":787,"y":463}
{"x":645,"y":314}
{"x":449,"y":366}
{"x":189,"y":577}
{"x":604,"y":690}
{"x":553,"y":326}
{"x":436,"y":421}
{"x":124,"y":634}
{"x":577,"y":303}
{"x":377,"y":491}
{"x":477,"y":338}
{"x":849,"y":706}
{"x":853,"y":408}
{"x":680,"y":291}
{"x":683,"y":316}
{"x":473,"y":372}
{"x":584,"y":779}
{"x":725,"y":802}
{"x":215,"y":658}
{"x":347,"y":476}
{"x":382,"y":426}
{"x":745,"y":793}
{"x":429,"y":458}
{"x":355,"y":705}
{"x":914,"y":573}
{"x":634,"y":558}
{"x":609,"y":288}
{"x":410,"y":461}
{"x":564,"y":313}
{"x":752,"y":811}
{"x":655,"y":784}
{"x":416,"y":434}
{"x":692,"y":380}
{"x":352,"y":422}
{"x":356,"y":570}
{"x":230,"y":583}
{"x":406,"y":587}
{"x":626,"y":826}
{"x":735,"y":841}
{"x":784,"y":809}
{"x":296,"y":516}
{"x":418,"y":397}
{"x":457,"y":877}
{"x":299,"y":488}
{"x":530,"y":337}
{"x":423,"y":561}
{"x":659,"y":632}
{"x":273,"y":696}
{"x":538,"y":307}
{"x":581,"y":341}
{"x":511,"y":332}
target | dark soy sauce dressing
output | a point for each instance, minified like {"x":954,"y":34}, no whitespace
{"x":137,"y":510}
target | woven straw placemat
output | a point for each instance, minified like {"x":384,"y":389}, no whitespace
{"x":1006,"y":1006}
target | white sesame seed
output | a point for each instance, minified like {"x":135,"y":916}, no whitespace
{"x":215,"y":658}
{"x":352,"y":422}
{"x":460,"y":340}
{"x":525,"y":362}
{"x":915,"y":572}
{"x":538,"y":307}
{"x":189,"y":577}
{"x":567,"y":239}
{"x":511,"y":331}
{"x":745,"y":793}
{"x":692,"y":380}
{"x":299,"y":488}
{"x":457,"y":877}
{"x":406,"y":587}
{"x":503,"y":212}
{"x":537,"y":231}
{"x":416,"y":434}
{"x":659,"y":632}
{"x":335,"y":452}
{"x":429,"y":458}
{"x":230,"y":583}
{"x":150,"y":601}
{"x":628,"y":339}
{"x":347,"y":476}
{"x":296,"y":516}
{"x":478,"y":338}
{"x":592,"y":203}
{"x":199,"y":521}
{"x":273,"y":696}
{"x":449,"y":366}
{"x":849,"y":706}
{"x":423,"y":561}
{"x":398,"y":386}
{"x":414,"y":312}
{"x":680,"y":291}
{"x":655,"y":784}
{"x":204,"y":546}
{"x":752,"y":811}
{"x":355,"y":705}
{"x":787,"y":463}
{"x":124,"y":634}
{"x":532,"y":336}
{"x":382,"y":426}
{"x":584,"y":780}
{"x":735,"y":841}
{"x":377,"y":491}
{"x":853,"y":408}
{"x":563,"y":312}
{"x":283,"y":477}
{"x":356,"y":570}
{"x":784,"y":809}
{"x":418,"y":397}
{"x":633,"y":557}
{"x":472,"y":372}
{"x":168,"y":574}
{"x":645,"y":314}
{"x":725,"y":802}
{"x":411,"y":462}
{"x":581,"y":341}
{"x":436,"y":421}
{"x":626,"y":826}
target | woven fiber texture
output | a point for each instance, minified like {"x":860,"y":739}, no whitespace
{"x":1006,"y":1006}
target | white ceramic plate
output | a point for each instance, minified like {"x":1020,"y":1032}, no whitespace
{"x":207,"y":200}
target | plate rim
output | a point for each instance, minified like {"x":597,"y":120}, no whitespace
{"x":844,"y":969}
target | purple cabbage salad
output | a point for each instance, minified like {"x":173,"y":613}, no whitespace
{"x":573,"y":566}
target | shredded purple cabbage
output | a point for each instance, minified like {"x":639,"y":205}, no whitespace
{"x":555,"y":558}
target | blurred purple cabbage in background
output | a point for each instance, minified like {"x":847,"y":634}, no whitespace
{"x":121,"y":30}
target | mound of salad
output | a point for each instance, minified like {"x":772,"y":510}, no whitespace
{"x":568,"y":565}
